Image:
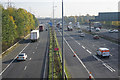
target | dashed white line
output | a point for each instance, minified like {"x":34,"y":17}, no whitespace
{"x":106,"y":65}
{"x":30,"y":58}
{"x":88,"y":51}
{"x":25,"y":68}
{"x":33,"y":52}
{"x":78,"y":57}
{"x":36,"y":47}
{"x":111,"y":69}
{"x":83,"y":47}
{"x":13,"y":60}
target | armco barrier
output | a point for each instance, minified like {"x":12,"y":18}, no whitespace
{"x":16,"y":43}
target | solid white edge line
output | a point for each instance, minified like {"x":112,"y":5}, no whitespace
{"x":78,"y":58}
{"x":13,"y":60}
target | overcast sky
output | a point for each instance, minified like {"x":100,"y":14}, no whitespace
{"x":44,"y":8}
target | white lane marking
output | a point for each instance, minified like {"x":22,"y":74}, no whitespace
{"x":97,"y":58}
{"x":110,"y":54}
{"x":77,"y":57}
{"x":93,"y":45}
{"x":30,"y":58}
{"x":106,"y":65}
{"x":83,"y":47}
{"x":36,"y":47}
{"x":33,"y":52}
{"x":25,"y":68}
{"x":111,"y":69}
{"x":13,"y":60}
{"x":88,"y":51}
{"x":77,"y":42}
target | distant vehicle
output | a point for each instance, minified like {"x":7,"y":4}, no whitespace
{"x":104,"y":52}
{"x":59,"y":25}
{"x":34,"y":35}
{"x":111,"y":31}
{"x":97,"y":29}
{"x":78,"y":25}
{"x":22,"y":56}
{"x":82,"y":35}
{"x":95,"y":37}
{"x":97,"y":25}
{"x":115,"y":30}
{"x":79,"y":31}
{"x":69,"y":28}
{"x":41,"y":28}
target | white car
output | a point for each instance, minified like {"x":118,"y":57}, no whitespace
{"x":82,"y":34}
{"x":97,"y":29}
{"x":110,"y":31}
{"x":104,"y":52}
{"x":22,"y":56}
{"x":115,"y":30}
{"x":79,"y":31}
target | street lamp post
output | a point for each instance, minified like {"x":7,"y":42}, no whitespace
{"x":62,"y":43}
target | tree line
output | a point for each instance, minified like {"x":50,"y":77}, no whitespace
{"x":16,"y":23}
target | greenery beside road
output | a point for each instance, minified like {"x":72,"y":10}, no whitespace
{"x":55,"y":57}
{"x":16,"y":24}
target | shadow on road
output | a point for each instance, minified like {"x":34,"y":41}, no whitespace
{"x":25,"y":41}
{"x":9,"y":61}
{"x":88,"y":59}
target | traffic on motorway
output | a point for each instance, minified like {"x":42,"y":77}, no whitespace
{"x":97,"y":55}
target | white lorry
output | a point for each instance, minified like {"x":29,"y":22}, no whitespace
{"x":34,"y":36}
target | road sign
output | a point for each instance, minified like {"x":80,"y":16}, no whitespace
{"x":56,"y":49}
{"x":50,"y":23}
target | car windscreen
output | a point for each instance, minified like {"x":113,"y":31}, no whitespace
{"x":21,"y":55}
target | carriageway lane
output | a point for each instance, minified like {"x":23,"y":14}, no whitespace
{"x":96,"y":67}
{"x":92,"y":45}
{"x":33,"y":67}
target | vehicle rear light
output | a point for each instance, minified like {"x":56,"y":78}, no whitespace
{"x":17,"y":57}
{"x":23,"y":57}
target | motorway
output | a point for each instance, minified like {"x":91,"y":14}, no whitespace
{"x":104,"y":32}
{"x":34,"y":66}
{"x":86,"y":60}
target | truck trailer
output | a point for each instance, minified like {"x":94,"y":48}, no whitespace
{"x":34,"y":36}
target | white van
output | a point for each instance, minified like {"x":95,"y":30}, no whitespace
{"x":104,"y":52}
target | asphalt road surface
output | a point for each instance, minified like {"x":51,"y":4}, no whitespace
{"x":85,"y":60}
{"x":104,"y":32}
{"x":34,"y":66}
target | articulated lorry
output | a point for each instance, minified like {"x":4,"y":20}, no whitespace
{"x":34,"y":36}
